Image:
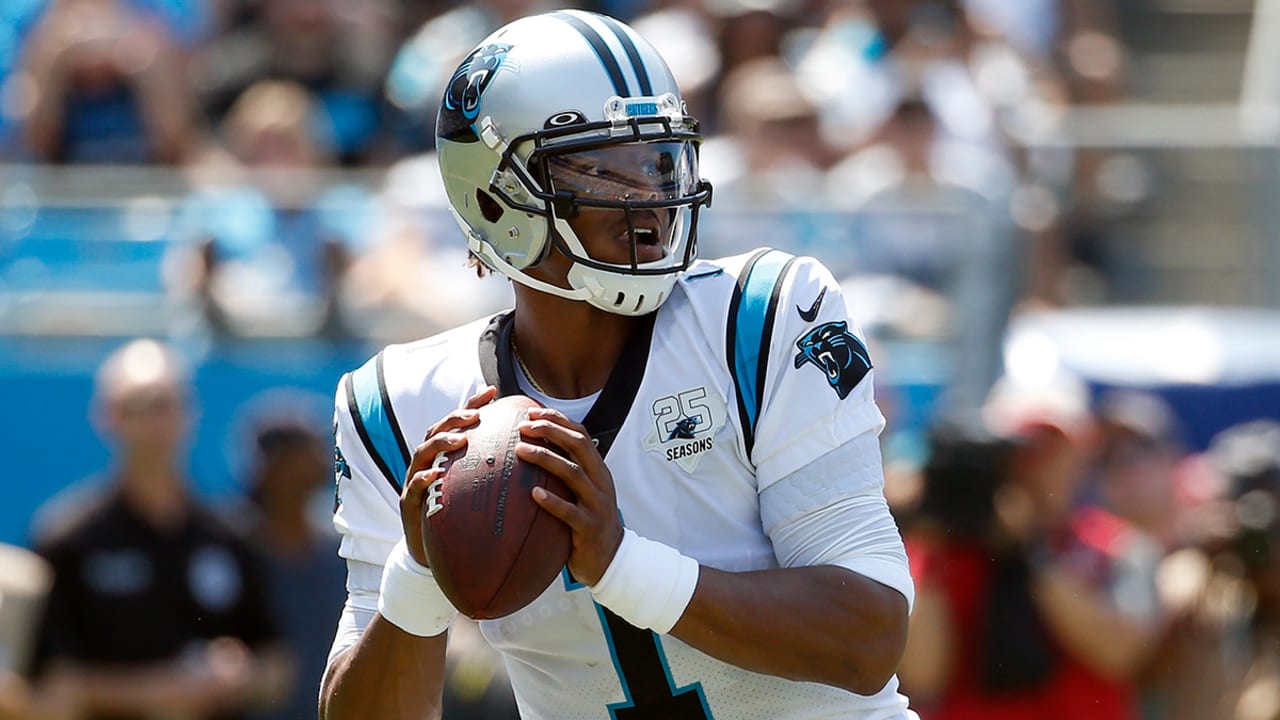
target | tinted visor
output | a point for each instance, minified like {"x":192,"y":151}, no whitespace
{"x":630,"y":172}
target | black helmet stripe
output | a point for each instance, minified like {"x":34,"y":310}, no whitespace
{"x":632,"y":52}
{"x":602,"y":51}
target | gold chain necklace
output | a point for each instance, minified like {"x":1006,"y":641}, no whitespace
{"x":515,"y":350}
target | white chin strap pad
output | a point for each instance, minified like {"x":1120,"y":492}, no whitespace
{"x":615,"y":292}
{"x":622,"y":294}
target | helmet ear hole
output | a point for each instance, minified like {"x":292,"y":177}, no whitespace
{"x":489,"y":208}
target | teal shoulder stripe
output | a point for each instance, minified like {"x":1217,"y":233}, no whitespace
{"x":750,"y":326}
{"x":381,"y":433}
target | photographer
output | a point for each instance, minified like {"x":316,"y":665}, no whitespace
{"x":1221,"y":655}
{"x":1027,"y":606}
{"x":973,"y":597}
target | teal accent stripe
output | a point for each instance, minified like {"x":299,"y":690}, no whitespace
{"x":571,"y":583}
{"x":750,"y":321}
{"x":378,"y":420}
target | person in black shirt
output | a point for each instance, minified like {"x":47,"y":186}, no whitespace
{"x":158,"y":608}
{"x":292,"y":468}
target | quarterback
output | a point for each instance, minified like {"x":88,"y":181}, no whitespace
{"x":732,"y":552}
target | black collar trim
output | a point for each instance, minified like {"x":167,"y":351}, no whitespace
{"x":610,"y":409}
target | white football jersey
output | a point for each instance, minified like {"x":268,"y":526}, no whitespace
{"x":752,"y":371}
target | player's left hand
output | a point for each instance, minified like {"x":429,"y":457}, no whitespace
{"x":592,"y":515}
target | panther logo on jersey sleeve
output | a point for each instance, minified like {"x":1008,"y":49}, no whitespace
{"x":340,"y":470}
{"x":837,"y":353}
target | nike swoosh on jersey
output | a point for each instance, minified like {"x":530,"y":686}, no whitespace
{"x":812,"y":313}
{"x":707,"y":274}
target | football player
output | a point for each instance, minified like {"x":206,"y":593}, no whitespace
{"x":733,"y":555}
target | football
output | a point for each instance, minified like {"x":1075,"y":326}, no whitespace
{"x":490,"y":546}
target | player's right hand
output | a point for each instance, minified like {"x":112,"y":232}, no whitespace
{"x":444,"y":436}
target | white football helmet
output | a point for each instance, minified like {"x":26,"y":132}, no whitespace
{"x":563,"y":111}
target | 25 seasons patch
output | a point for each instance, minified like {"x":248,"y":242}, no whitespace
{"x":685,"y":425}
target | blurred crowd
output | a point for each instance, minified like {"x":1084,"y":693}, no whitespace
{"x":880,"y":135}
{"x":1073,"y":558}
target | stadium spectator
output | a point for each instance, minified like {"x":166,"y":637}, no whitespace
{"x":402,"y":281}
{"x":770,"y":151}
{"x":339,"y":52}
{"x":1136,"y":465}
{"x":265,"y":239}
{"x":887,"y":50}
{"x":1220,"y":657}
{"x":290,"y":471}
{"x":933,"y":228}
{"x":107,"y":86}
{"x":1248,"y":455}
{"x":17,"y":17}
{"x":1034,"y":60}
{"x":289,"y":497}
{"x":1095,"y":572}
{"x":157,"y":607}
{"x":769,"y":162}
{"x":750,"y":30}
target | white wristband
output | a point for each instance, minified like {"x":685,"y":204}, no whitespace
{"x":648,"y":584}
{"x":410,"y":598}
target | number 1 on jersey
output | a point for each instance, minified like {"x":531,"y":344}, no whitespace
{"x":643,"y":672}
{"x":645,"y":676}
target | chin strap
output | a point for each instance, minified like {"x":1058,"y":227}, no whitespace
{"x":477,"y":245}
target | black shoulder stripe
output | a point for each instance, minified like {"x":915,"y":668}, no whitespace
{"x":633,"y":53}
{"x":369,"y":448}
{"x":602,"y":51}
{"x":731,"y":349}
{"x":391,"y":413}
{"x":766,"y":340}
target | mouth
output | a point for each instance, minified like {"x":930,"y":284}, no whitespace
{"x":647,"y":231}
{"x":647,"y":237}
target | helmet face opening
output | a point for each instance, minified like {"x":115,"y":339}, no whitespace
{"x":572,"y":124}
{"x":625,"y":179}
{"x":644,"y":168}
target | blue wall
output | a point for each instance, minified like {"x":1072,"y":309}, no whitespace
{"x":50,"y":443}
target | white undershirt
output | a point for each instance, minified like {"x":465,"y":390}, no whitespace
{"x":574,"y":408}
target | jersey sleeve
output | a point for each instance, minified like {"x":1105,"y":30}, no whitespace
{"x":367,"y":493}
{"x":810,"y":388}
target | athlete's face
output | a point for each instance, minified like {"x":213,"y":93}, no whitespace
{"x":607,"y":235}
{"x":625,"y":173}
